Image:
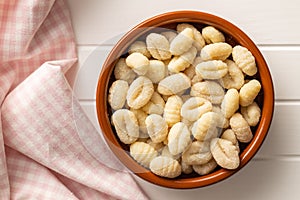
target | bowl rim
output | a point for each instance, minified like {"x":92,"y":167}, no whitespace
{"x":180,"y":17}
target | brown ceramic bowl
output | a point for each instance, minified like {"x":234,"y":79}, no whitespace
{"x":233,"y":36}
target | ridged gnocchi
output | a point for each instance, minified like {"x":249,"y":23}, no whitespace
{"x":143,"y":153}
{"x":172,"y":110}
{"x":182,"y":42}
{"x":126,"y":125}
{"x":241,"y":128}
{"x":209,"y":90}
{"x":140,"y":92}
{"x":174,"y":84}
{"x":138,"y":63}
{"x":194,"y":108}
{"x":212,"y":69}
{"x":216,"y":51}
{"x":165,"y":167}
{"x":225,"y":153}
{"x":198,"y":153}
{"x":158,"y":46}
{"x":244,"y":59}
{"x":212,"y":35}
{"x":179,"y":138}
{"x":157,"y":128}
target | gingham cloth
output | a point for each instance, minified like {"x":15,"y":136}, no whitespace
{"x":41,"y":153}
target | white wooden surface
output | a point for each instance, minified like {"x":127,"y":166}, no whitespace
{"x":274,"y":25}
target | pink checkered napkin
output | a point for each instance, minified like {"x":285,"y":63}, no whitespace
{"x":41,"y":153}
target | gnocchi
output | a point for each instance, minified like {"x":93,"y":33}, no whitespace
{"x":249,"y":91}
{"x":194,"y":108}
{"x":209,"y":90}
{"x":234,"y":78}
{"x":180,"y":63}
{"x":165,"y":167}
{"x":126,"y":125}
{"x":212,"y":69}
{"x":179,"y":138}
{"x":140,"y":92}
{"x":216,"y":51}
{"x":123,"y":72}
{"x":198,"y":153}
{"x":158,"y":46}
{"x":205,"y":127}
{"x":174,"y":84}
{"x":157,"y":128}
{"x":143,"y":153}
{"x":244,"y":59}
{"x":199,"y":41}
{"x":182,"y":42}
{"x":183,"y":101}
{"x":117,"y":94}
{"x":138,"y":62}
{"x":212,"y":35}
{"x":241,"y":128}
{"x":225,"y":153}
{"x":172,"y":110}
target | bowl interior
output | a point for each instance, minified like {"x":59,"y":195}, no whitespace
{"x":234,"y":36}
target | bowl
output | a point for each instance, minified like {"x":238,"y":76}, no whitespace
{"x":234,"y":36}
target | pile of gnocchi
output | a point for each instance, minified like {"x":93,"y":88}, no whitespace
{"x":184,"y":101}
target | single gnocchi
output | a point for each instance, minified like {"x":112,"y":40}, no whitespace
{"x":158,"y":46}
{"x":138,"y":62}
{"x":230,"y":103}
{"x":225,"y":153}
{"x":174,"y":84}
{"x":251,"y":113}
{"x":199,"y":41}
{"x":165,"y":167}
{"x":117,"y":94}
{"x":156,"y":71}
{"x":126,"y":125}
{"x":244,"y":59}
{"x":157,"y":128}
{"x":179,"y":138}
{"x":216,"y":51}
{"x":249,"y":91}
{"x":172,"y":110}
{"x":143,"y":153}
{"x":123,"y":72}
{"x":205,"y":168}
{"x":212,"y":69}
{"x":140,"y":92}
{"x":212,"y":35}
{"x":234,"y":78}
{"x":209,"y":90}
{"x":182,"y":42}
{"x":198,"y":153}
{"x":241,"y":128}
{"x":194,"y":108}
{"x":205,"y":128}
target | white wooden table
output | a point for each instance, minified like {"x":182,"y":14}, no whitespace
{"x":274,"y":25}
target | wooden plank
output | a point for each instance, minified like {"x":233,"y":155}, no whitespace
{"x":283,"y":64}
{"x":275,"y":22}
{"x":259,"y":179}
